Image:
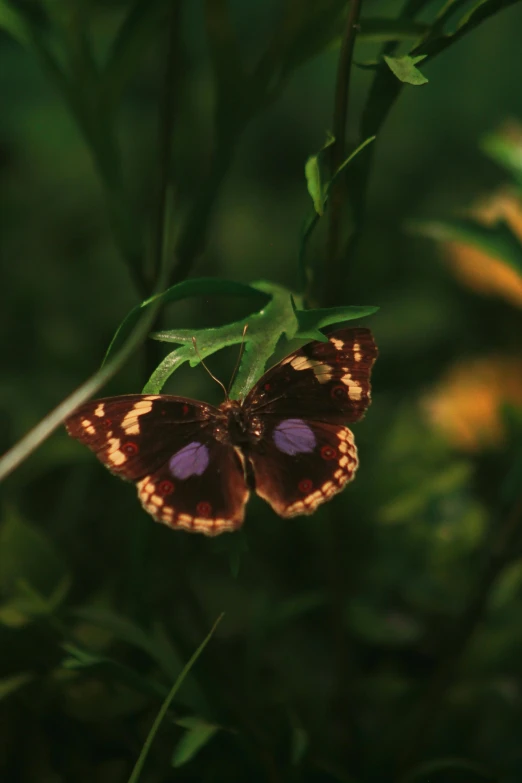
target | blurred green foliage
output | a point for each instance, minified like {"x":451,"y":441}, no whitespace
{"x":146,"y":142}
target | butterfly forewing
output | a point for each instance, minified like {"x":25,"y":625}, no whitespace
{"x":185,"y":477}
{"x":323,"y":381}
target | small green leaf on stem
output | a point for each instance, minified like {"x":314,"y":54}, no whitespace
{"x":198,"y":734}
{"x":314,"y":179}
{"x":404,"y":69}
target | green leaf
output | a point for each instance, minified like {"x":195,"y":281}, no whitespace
{"x":202,"y":286}
{"x":404,"y":69}
{"x":311,"y":221}
{"x":12,"y":684}
{"x":265,"y":328}
{"x":28,"y":556}
{"x":136,"y":772}
{"x":313,"y":176}
{"x":497,"y":240}
{"x":198,"y":734}
{"x":310,"y":321}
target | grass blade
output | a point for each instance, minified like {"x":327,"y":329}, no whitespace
{"x":136,"y":772}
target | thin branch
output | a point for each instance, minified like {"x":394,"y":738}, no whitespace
{"x":338,"y":196}
{"x":458,"y":641}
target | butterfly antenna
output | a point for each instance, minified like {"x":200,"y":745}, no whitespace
{"x":241,"y":351}
{"x":206,"y":368}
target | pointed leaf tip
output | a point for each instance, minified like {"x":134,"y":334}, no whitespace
{"x":404,"y":68}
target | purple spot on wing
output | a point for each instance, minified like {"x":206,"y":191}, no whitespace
{"x":293,"y":436}
{"x":191,"y":460}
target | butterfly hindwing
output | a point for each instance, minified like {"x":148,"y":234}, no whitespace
{"x":301,"y":464}
{"x":184,"y":476}
{"x":323,"y":381}
{"x":201,"y":489}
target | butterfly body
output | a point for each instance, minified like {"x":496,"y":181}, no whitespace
{"x":194,"y":464}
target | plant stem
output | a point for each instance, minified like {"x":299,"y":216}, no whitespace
{"x":463,"y":632}
{"x":194,"y":234}
{"x":167,"y":112}
{"x":334,"y":291}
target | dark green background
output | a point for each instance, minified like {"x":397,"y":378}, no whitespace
{"x":335,"y":625}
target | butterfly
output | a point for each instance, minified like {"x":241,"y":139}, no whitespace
{"x":194,"y":464}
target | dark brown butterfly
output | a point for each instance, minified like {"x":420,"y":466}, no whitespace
{"x":194,"y":464}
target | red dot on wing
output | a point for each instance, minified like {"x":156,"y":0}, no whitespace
{"x":130,"y":449}
{"x":267,"y":386}
{"x":204,"y":509}
{"x":107,"y":422}
{"x":328,"y":452}
{"x":165,"y":488}
{"x":338,"y":392}
{"x":185,"y":409}
{"x":305,"y":486}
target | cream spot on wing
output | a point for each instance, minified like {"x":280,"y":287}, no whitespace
{"x":114,"y":454}
{"x":100,"y":410}
{"x":157,"y":500}
{"x":130,"y":422}
{"x":343,"y":462}
{"x":337,"y":344}
{"x":322,"y":371}
{"x":311,"y":500}
{"x":87,"y":425}
{"x":354,"y":387}
{"x":357,"y":355}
